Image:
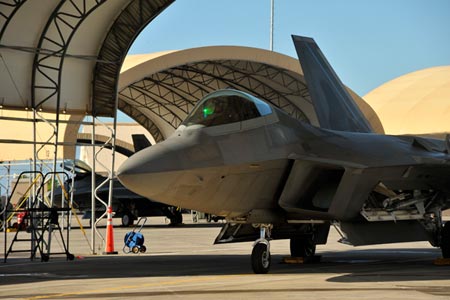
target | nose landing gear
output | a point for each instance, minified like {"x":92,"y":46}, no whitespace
{"x":261,"y":250}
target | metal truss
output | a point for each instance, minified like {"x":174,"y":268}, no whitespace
{"x":61,"y":27}
{"x":114,"y":49}
{"x":172,"y":93}
{"x":264,"y":81}
{"x":7,"y":10}
{"x":55,"y":38}
{"x":142,"y":119}
{"x":143,"y":97}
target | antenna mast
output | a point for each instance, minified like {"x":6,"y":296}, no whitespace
{"x":271,"y":23}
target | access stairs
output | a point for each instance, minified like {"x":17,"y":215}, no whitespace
{"x":37,"y":222}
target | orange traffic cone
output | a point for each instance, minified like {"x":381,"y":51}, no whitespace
{"x":109,"y":234}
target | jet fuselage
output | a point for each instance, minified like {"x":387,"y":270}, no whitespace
{"x":233,"y":169}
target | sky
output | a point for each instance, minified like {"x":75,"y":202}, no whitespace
{"x":367,"y":42}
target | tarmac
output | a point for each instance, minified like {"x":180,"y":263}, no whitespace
{"x":181,"y":262}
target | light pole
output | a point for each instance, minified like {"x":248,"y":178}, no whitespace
{"x":272,"y":6}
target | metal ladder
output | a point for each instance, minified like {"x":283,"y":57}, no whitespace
{"x":38,"y":219}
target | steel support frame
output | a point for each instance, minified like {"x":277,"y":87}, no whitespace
{"x":55,"y":39}
{"x":47,"y":71}
{"x":123,"y":32}
{"x":47,"y":67}
{"x":176,"y":90}
{"x":252,"y":77}
{"x":8,"y":9}
{"x":142,"y":119}
{"x":140,"y":97}
{"x":121,"y":35}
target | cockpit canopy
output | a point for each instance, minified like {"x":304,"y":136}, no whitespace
{"x":225,"y":107}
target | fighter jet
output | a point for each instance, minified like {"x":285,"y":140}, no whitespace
{"x":275,"y":177}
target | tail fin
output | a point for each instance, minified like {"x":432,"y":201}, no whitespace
{"x":334,"y":106}
{"x":140,"y":142}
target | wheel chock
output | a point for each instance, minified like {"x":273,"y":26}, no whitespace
{"x":302,"y":260}
{"x":442,"y":262}
{"x":293,"y":260}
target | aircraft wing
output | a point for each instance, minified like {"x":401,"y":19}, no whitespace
{"x":334,"y":106}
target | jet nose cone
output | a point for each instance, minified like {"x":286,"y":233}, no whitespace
{"x":156,"y":159}
{"x":145,"y":172}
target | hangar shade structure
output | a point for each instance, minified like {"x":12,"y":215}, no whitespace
{"x":66,"y":55}
{"x":159,"y":90}
{"x":415,"y":103}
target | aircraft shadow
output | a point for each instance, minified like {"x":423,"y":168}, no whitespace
{"x":382,"y":265}
{"x":190,"y":225}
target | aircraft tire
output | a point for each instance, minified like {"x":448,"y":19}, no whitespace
{"x":127,"y":220}
{"x":445,"y":240}
{"x":260,"y":259}
{"x":302,"y":247}
{"x":177,"y":218}
{"x":45,"y":257}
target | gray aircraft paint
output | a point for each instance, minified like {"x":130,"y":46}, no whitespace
{"x":276,"y":169}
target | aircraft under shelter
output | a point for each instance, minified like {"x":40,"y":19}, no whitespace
{"x":274,"y":176}
{"x":64,"y":60}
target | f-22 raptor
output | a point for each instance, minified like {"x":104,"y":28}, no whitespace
{"x":274,"y":177}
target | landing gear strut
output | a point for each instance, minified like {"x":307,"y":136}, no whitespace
{"x":303,"y":247}
{"x":445,"y":240}
{"x":261,"y":250}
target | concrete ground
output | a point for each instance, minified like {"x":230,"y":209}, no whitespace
{"x":181,"y":262}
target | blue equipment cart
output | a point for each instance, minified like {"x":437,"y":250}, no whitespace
{"x":134,"y":240}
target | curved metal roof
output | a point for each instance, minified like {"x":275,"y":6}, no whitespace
{"x":65,"y":56}
{"x":59,"y":55}
{"x":159,"y":90}
{"x":415,"y":103}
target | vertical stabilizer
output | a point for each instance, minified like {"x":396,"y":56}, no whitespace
{"x":140,"y":142}
{"x":334,"y":106}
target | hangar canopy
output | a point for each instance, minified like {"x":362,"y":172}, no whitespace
{"x":66,"y":56}
{"x":159,"y":90}
{"x":415,"y":103}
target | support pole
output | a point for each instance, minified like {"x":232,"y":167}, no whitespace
{"x":33,"y":191}
{"x":272,"y":7}
{"x":93,"y":188}
{"x":109,"y":227}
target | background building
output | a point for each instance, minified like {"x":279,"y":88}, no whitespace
{"x":415,"y":103}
